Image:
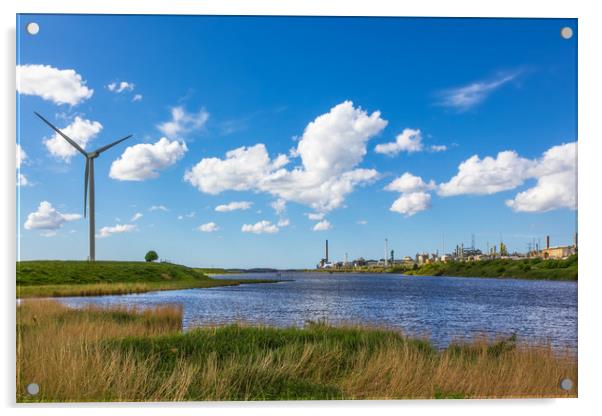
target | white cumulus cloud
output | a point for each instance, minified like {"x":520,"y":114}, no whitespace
{"x":81,"y":131}
{"x":560,"y":158}
{"x":414,"y":196}
{"x":209,"y":227}
{"x":136,"y":217}
{"x":243,"y":169}
{"x":143,"y":161}
{"x":488,"y":175}
{"x":555,"y":174}
{"x":409,"y":140}
{"x":409,"y":183}
{"x":323,"y":225}
{"x":115,"y":229}
{"x":261,"y":227}
{"x":335,"y":142}
{"x":284,"y":222}
{"x":21,"y":155}
{"x":233,"y":206}
{"x":61,"y":86}
{"x":46,"y":217}
{"x":316,"y":216}
{"x":411,"y":203}
{"x":330,"y":149}
{"x":556,"y":187}
{"x":551,"y":192}
{"x":183,"y":122}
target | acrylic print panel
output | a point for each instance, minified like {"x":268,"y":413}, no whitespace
{"x":292,"y":208}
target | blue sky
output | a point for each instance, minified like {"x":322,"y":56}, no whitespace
{"x":307,"y":102}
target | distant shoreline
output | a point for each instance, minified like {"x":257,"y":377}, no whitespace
{"x":82,"y":278}
{"x":527,"y":269}
{"x":428,"y":275}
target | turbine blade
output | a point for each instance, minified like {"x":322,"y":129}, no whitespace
{"x":108,"y":146}
{"x":71,"y":142}
{"x":86,"y":180}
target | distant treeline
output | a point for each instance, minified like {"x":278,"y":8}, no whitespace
{"x":534,"y":268}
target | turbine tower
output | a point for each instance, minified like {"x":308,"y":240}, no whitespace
{"x":88,"y":179}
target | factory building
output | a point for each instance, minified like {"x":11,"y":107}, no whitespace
{"x":558,"y":252}
{"x":461,"y":253}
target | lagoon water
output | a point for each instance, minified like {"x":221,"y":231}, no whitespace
{"x":441,"y":308}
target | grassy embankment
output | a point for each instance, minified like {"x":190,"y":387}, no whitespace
{"x":534,"y":269}
{"x":128,"y":355}
{"x":82,"y":278}
{"x":518,"y":269}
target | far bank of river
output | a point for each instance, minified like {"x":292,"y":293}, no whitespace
{"x":530,"y":269}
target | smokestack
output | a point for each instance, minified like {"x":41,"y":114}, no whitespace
{"x":575,"y":240}
{"x":386,"y":251}
{"x":326,"y":251}
{"x":547,"y":241}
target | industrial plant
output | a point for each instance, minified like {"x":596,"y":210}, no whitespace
{"x":460,"y":253}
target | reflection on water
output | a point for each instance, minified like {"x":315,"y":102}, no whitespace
{"x":442,"y":308}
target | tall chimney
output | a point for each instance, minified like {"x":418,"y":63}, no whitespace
{"x":547,"y":241}
{"x":326,"y":251}
{"x":575,"y":240}
{"x":386,"y":251}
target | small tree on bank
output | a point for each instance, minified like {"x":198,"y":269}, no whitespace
{"x":151,"y":256}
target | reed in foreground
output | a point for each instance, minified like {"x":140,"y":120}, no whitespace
{"x":101,"y":289}
{"x":132,"y":355}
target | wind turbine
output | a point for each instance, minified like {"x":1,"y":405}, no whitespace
{"x":88,"y":178}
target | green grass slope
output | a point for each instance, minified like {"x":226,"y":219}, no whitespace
{"x":519,"y":269}
{"x":82,"y":278}
{"x":79,"y":272}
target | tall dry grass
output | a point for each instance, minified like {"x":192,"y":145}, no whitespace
{"x":128,"y":355}
{"x":62,"y":350}
{"x":119,"y":288}
{"x":523,"y":371}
